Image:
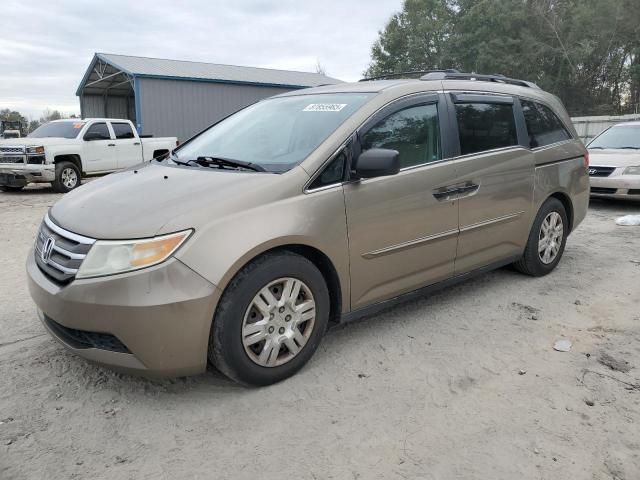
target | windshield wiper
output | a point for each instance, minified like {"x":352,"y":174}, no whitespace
{"x":630,"y":148}
{"x":226,"y":162}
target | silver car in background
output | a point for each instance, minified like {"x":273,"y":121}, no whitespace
{"x":614,"y":166}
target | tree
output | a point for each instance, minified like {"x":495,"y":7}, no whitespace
{"x":48,"y":116}
{"x":417,"y":38}
{"x":584,"y":51}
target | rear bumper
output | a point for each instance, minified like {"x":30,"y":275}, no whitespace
{"x":625,"y":187}
{"x":153,"y":322}
{"x":19,"y":175}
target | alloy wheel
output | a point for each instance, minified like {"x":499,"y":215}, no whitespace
{"x":550,"y":239}
{"x":69,"y":178}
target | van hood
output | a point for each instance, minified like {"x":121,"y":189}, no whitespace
{"x":614,"y":158}
{"x":36,"y":142}
{"x":157,"y":198}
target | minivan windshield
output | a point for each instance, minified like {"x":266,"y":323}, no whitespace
{"x":69,"y":129}
{"x":275,"y":134}
{"x":623,"y":136}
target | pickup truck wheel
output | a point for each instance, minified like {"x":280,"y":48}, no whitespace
{"x":67,"y":177}
{"x":270,"y":319}
{"x":10,"y":188}
{"x":547,"y":240}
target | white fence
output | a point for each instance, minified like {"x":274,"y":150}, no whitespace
{"x":589,"y":127}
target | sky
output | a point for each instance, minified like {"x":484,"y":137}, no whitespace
{"x":46,"y":46}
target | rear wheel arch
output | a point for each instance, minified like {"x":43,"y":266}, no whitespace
{"x":568,"y":206}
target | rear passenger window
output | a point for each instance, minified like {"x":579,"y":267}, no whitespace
{"x":543,"y":126}
{"x":485,"y":126}
{"x":122,"y":130}
{"x":413,"y":132}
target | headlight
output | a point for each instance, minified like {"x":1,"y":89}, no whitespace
{"x":632,"y":171}
{"x":36,"y":150}
{"x":108,"y":257}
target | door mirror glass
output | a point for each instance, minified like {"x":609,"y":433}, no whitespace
{"x":378,"y":162}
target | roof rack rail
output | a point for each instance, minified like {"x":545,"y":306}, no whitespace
{"x":497,"y":77}
{"x":423,"y":73}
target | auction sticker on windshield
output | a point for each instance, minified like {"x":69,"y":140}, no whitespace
{"x":324,"y":107}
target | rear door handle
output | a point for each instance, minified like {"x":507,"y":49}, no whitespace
{"x":111,"y":145}
{"x":446,"y":193}
{"x":468,"y":189}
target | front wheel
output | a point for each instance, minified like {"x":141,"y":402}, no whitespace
{"x":67,"y":177}
{"x":547,"y":240}
{"x":270,"y":320}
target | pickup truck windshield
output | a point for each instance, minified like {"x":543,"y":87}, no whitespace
{"x":276,"y":134}
{"x":69,"y":129}
{"x":627,"y":136}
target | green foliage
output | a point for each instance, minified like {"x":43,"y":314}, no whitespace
{"x":584,"y":51}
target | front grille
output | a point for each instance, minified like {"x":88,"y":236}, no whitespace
{"x":8,"y":150}
{"x":634,"y":191}
{"x":60,"y":253}
{"x":84,"y":339}
{"x":11,"y":159}
{"x":603,"y":190}
{"x":600,"y":171}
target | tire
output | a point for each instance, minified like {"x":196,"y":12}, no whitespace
{"x":537,"y":263}
{"x":236,"y":309}
{"x":10,"y":188}
{"x":66,"y":172}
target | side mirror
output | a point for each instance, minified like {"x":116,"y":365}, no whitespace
{"x":90,"y":136}
{"x":377,"y":162}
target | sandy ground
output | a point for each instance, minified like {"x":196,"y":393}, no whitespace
{"x":464,"y":384}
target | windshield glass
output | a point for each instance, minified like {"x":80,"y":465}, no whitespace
{"x":625,"y":136}
{"x":277,"y":133}
{"x":57,"y":130}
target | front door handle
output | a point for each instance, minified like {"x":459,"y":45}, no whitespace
{"x":111,"y":145}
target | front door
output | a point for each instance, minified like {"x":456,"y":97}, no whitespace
{"x":402,"y":229}
{"x":98,"y":150}
{"x":496,"y":173}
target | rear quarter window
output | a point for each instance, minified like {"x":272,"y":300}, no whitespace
{"x":485,"y":126}
{"x":543,"y":126}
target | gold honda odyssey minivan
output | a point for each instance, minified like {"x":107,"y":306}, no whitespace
{"x":316,"y":206}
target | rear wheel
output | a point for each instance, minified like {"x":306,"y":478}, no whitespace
{"x":270,"y":319}
{"x":67,"y":177}
{"x":547,"y":240}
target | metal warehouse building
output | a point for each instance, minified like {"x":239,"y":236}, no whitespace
{"x":179,"y":98}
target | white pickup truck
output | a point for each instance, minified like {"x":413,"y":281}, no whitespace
{"x":63,"y":151}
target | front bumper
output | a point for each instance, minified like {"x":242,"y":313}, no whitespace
{"x":153,"y":322}
{"x":616,"y":185}
{"x":19,"y":175}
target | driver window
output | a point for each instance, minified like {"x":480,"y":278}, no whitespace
{"x":98,"y":131}
{"x":414,"y":132}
